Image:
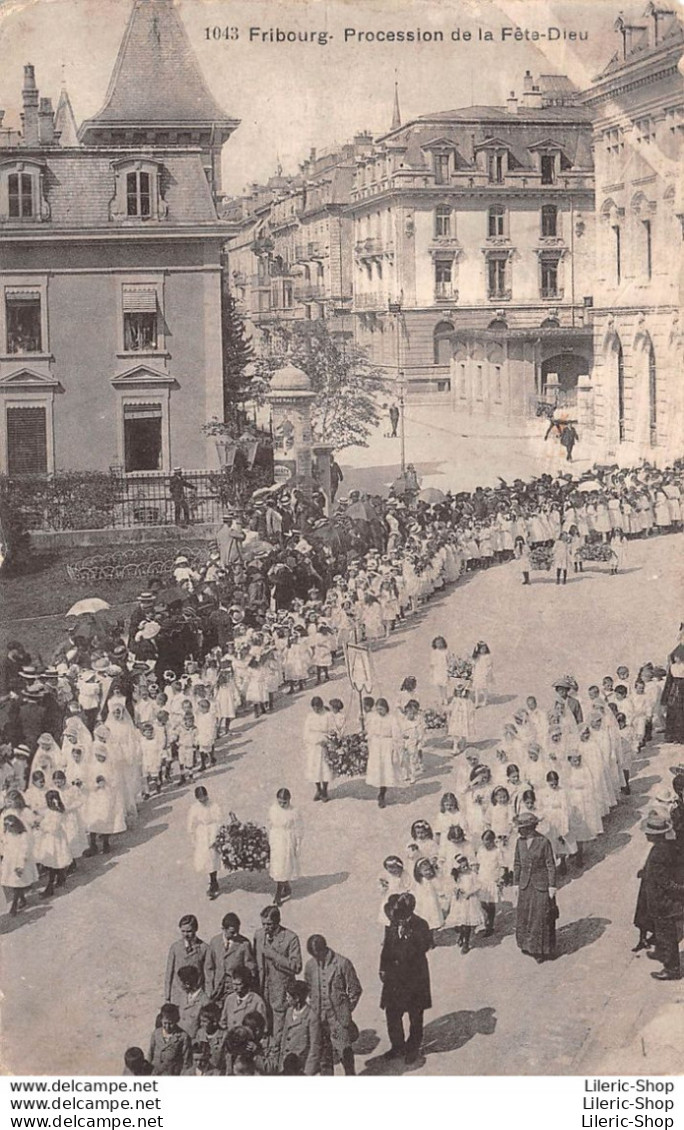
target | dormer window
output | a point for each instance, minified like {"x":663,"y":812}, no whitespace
{"x":496,"y":163}
{"x":20,"y":196}
{"x":442,"y":168}
{"x":138,"y":194}
{"x":548,"y":168}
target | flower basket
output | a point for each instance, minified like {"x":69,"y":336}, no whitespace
{"x":459,"y":668}
{"x":541,"y":557}
{"x":434,"y":719}
{"x":243,"y":847}
{"x":347,"y":756}
{"x":596,"y":551}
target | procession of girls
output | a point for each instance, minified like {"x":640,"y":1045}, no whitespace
{"x":569,"y":765}
{"x":129,"y":729}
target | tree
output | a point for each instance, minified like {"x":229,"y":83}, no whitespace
{"x":346,"y":384}
{"x":238,"y":354}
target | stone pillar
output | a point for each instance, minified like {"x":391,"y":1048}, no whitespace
{"x":552,"y":387}
{"x":585,"y":402}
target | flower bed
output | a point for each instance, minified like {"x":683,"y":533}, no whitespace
{"x":243,"y":847}
{"x":347,"y":756}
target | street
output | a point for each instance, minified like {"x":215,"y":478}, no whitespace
{"x":99,"y":949}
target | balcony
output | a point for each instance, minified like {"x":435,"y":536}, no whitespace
{"x":374,"y":300}
{"x":446,"y":294}
{"x":551,"y":293}
{"x":500,"y":295}
{"x":306,"y":292}
{"x":373,"y":248}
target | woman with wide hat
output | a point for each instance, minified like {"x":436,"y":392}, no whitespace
{"x":534,"y":874}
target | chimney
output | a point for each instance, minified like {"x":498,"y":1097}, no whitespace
{"x":527,"y":82}
{"x":512,"y":103}
{"x":29,"y":116}
{"x":532,"y":99}
{"x":46,"y":122}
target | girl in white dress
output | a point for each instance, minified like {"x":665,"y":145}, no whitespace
{"x":73,"y":799}
{"x":553,"y":804}
{"x":523,"y":558}
{"x":204,"y":821}
{"x":425,"y":890}
{"x":382,"y":734}
{"x":490,"y":874}
{"x":394,"y":881}
{"x":449,"y":813}
{"x":465,"y":911}
{"x":104,"y":813}
{"x":297,"y":660}
{"x":285,"y":839}
{"x":584,"y":814}
{"x":413,"y":735}
{"x":227,"y":696}
{"x":316,"y":733}
{"x":52,"y":843}
{"x":483,"y":674}
{"x":439,"y":674}
{"x":18,"y":870}
{"x":500,"y":816}
{"x":461,"y":717}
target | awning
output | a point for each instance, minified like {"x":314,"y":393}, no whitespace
{"x":139,"y":300}
{"x":17,"y":294}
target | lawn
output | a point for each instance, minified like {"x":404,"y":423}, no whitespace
{"x":33,"y":603}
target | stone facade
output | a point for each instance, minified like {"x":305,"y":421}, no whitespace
{"x":110,"y":333}
{"x":637,"y":108}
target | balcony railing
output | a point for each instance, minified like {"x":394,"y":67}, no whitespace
{"x":375,"y":300}
{"x":308,"y":291}
{"x":374,"y":245}
{"x":548,"y":293}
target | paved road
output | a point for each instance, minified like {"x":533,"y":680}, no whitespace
{"x":83,"y":975}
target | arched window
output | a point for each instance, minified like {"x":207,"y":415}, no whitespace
{"x":621,"y":392}
{"x":443,"y":347}
{"x":652,"y":397}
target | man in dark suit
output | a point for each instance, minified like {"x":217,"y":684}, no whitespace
{"x":279,"y":958}
{"x":188,"y":950}
{"x":534,"y":874}
{"x":405,"y":975}
{"x":664,"y":895}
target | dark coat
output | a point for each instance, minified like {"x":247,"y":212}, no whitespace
{"x":179,"y":955}
{"x":338,"y":978}
{"x":278,"y":961}
{"x":301,"y":1036}
{"x":664,"y":893}
{"x":170,"y":1055}
{"x":224,"y":961}
{"x":534,"y":865}
{"x":404,"y":965}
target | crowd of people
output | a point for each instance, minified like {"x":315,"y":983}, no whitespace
{"x":125,"y":710}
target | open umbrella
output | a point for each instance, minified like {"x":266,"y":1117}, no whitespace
{"x":431,"y":495}
{"x":89,"y":605}
{"x":588,"y":486}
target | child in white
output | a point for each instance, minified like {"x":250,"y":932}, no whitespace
{"x":206,"y":725}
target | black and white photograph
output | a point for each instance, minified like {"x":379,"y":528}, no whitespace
{"x":342,"y":539}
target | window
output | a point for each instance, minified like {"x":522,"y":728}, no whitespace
{"x":549,"y":278}
{"x":496,"y":165}
{"x":496,"y":220}
{"x":287,"y":295}
{"x":645,"y":131}
{"x":548,"y":168}
{"x":20,"y":195}
{"x":443,"y":272}
{"x":462,"y":383}
{"x":441,"y":341}
{"x":23,"y":323}
{"x":138,"y":194}
{"x":142,"y":437}
{"x":621,"y":393}
{"x":549,"y":220}
{"x":27,"y":441}
{"x":618,"y":254}
{"x":496,"y":277}
{"x":140,"y":319}
{"x":442,"y":220}
{"x":442,"y":168}
{"x":648,"y":248}
{"x":498,"y":389}
{"x":479,"y":383}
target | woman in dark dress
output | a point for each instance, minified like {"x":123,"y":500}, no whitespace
{"x":534,"y":874}
{"x":405,"y":975}
{"x":673,"y":694}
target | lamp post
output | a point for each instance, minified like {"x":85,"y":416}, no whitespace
{"x":395,"y":309}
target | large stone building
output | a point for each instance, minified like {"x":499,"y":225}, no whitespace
{"x":110,"y":330}
{"x":473,"y":249}
{"x":637,"y":108}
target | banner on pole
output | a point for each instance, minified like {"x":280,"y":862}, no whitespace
{"x":359,"y":668}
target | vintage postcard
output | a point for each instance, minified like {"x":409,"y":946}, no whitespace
{"x":341,"y":538}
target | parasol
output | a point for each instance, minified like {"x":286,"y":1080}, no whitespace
{"x":588,"y":486}
{"x":431,"y":495}
{"x":89,"y":605}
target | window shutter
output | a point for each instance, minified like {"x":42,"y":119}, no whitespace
{"x":139,"y":300}
{"x":26,"y":441}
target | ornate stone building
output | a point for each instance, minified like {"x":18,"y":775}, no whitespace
{"x":110,"y":334}
{"x":637,"y":108}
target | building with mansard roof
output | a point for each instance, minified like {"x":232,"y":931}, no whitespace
{"x":110,"y":333}
{"x":472,"y":250}
{"x":637,"y":108}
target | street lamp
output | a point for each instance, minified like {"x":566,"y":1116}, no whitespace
{"x":395,"y":309}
